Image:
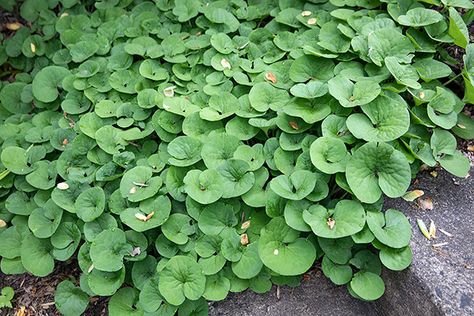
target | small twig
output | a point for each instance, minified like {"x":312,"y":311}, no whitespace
{"x":134,"y":144}
{"x":47,"y":304}
{"x":445,"y":232}
{"x":140,"y":184}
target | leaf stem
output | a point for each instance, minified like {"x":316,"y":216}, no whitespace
{"x":452,"y":79}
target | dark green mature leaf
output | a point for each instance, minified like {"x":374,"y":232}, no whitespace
{"x":375,"y":168}
{"x":458,"y":29}
{"x":391,"y":228}
{"x":385,"y":119}
{"x":283,"y":251}
{"x":346,"y":219}
{"x":367,"y":285}
{"x":47,"y":81}
{"x":181,"y":278}
{"x":70,"y":300}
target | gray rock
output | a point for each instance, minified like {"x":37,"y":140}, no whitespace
{"x":439,"y":282}
{"x":441,"y":279}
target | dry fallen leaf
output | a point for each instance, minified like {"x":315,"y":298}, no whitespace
{"x":432,"y":229}
{"x":423,"y":228}
{"x":140,"y":217}
{"x":62,"y":186}
{"x":331,"y":222}
{"x":169,"y":92}
{"x":21,"y":311}
{"x":13,"y":26}
{"x":245,"y":225}
{"x":293,"y":125}
{"x":270,"y":76}
{"x":225,"y":63}
{"x":244,"y":239}
{"x":2,"y":223}
{"x":149,"y":216}
{"x":410,"y":196}
{"x":425,"y":204}
{"x":470,"y":148}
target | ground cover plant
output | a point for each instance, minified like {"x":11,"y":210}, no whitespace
{"x":181,"y":150}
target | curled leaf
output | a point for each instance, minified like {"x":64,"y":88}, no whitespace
{"x":424,"y":230}
{"x":140,"y":217}
{"x":410,"y":196}
{"x":149,"y":216}
{"x":432,"y":230}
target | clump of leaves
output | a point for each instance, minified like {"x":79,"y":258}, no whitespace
{"x":182,"y":150}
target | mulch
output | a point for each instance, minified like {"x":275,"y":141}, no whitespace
{"x":34,"y":296}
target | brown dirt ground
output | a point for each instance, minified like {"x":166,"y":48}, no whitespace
{"x":35,"y":295}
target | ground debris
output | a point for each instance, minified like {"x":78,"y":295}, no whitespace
{"x":425,"y":203}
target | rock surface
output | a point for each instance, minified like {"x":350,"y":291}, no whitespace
{"x":439,"y":282}
{"x":441,"y":279}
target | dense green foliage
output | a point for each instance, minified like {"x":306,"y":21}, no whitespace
{"x":185,"y":149}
